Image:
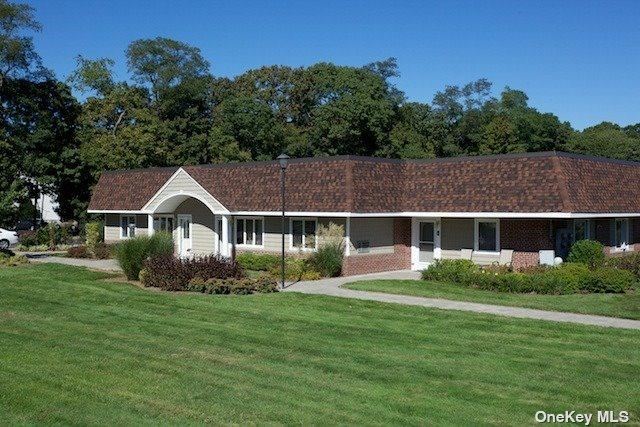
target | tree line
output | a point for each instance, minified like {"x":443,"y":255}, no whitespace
{"x":174,"y":111}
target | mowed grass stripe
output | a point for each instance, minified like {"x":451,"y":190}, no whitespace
{"x":80,"y":350}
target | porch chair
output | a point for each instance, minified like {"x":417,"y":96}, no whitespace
{"x":506,"y":256}
{"x":466,"y":254}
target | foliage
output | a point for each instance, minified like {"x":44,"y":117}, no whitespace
{"x":174,"y":274}
{"x":244,"y":286}
{"x":589,"y":252}
{"x":104,"y":251}
{"x":327,"y":260}
{"x":296,"y":269}
{"x":28,"y":238}
{"x":94,"y":234}
{"x":10,"y":259}
{"x":81,"y":251}
{"x":258,"y":262}
{"x":567,"y":278}
{"x":630,"y":262}
{"x":132,"y":253}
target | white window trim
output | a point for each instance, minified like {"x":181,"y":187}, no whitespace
{"x":476,"y":230}
{"x":235,"y":233}
{"x":302,"y":248}
{"x":165,"y":216}
{"x":587,"y":234}
{"x":625,"y":246}
{"x":135,"y":222}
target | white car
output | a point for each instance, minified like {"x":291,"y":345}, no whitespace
{"x":7,"y":238}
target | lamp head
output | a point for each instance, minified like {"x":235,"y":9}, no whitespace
{"x":284,"y":161}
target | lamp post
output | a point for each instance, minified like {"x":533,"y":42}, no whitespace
{"x":284,"y":162}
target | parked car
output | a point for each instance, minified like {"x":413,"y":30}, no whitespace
{"x":7,"y":238}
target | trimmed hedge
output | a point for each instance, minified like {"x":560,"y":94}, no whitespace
{"x":567,"y":278}
{"x":243,"y":286}
{"x":630,"y":262}
{"x":174,"y":274}
{"x":258,"y":262}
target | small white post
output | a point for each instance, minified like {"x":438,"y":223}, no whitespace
{"x":150,"y":225}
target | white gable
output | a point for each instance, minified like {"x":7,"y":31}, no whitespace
{"x":177,"y":189}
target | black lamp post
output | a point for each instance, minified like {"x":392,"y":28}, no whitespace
{"x":284,"y":162}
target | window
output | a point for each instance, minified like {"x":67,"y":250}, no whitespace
{"x":581,"y":229}
{"x":163,"y":223}
{"x":249,"y":231}
{"x":303,"y":234}
{"x":622,"y":233}
{"x":127,"y":226}
{"x":487,"y":235}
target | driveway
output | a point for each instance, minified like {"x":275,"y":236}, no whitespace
{"x":332,"y":287}
{"x":94,"y":264}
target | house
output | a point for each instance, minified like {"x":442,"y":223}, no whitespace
{"x":397,"y":214}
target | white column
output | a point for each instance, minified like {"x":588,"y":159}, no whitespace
{"x":347,"y":237}
{"x":225,"y":250}
{"x":150,"y":225}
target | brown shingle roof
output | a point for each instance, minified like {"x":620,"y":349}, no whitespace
{"x":531,"y":182}
{"x":128,"y":189}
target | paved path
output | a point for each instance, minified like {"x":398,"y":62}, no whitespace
{"x":95,"y":264}
{"x":332,"y":287}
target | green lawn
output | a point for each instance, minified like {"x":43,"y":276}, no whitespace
{"x":614,"y":305}
{"x":75,"y":349}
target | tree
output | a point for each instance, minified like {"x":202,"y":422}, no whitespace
{"x":162,"y":63}
{"x":93,"y":75}
{"x":18,"y":57}
{"x":605,"y":139}
{"x":409,"y":137}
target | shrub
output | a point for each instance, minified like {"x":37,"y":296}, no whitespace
{"x":573,"y":276}
{"x":132,"y":253}
{"x":451,"y":270}
{"x":243,"y":286}
{"x":258,"y":262}
{"x":78,"y":252}
{"x":295,"y":269}
{"x":8,"y":259}
{"x":103,"y":251}
{"x":6,"y":253}
{"x":95,"y":235}
{"x":174,"y":274}
{"x":609,"y":280}
{"x":327,"y":260}
{"x":630,"y":262}
{"x":28,"y":239}
{"x":589,"y":252}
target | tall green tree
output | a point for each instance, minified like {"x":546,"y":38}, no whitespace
{"x":162,"y":63}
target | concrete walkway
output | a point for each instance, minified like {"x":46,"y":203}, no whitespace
{"x":94,"y":264}
{"x":332,"y":287}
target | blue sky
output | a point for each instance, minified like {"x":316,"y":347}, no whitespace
{"x":577,"y":59}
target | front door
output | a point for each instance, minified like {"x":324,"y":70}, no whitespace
{"x":184,"y":239}
{"x":426,"y":242}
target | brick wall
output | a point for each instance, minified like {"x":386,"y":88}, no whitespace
{"x":400,"y":259}
{"x":526,"y":237}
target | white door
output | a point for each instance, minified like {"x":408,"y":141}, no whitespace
{"x":425,"y":242}
{"x":184,"y":235}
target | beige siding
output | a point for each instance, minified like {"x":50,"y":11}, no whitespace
{"x":112,"y":226}
{"x":456,"y":234}
{"x":182,"y":182}
{"x":485,"y":259}
{"x":378,"y":231}
{"x":272,"y":233}
{"x":203,"y":238}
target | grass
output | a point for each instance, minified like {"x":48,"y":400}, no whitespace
{"x":75,"y":349}
{"x":614,"y":305}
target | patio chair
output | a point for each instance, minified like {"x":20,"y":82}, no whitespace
{"x":506,"y":256}
{"x":466,"y":254}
